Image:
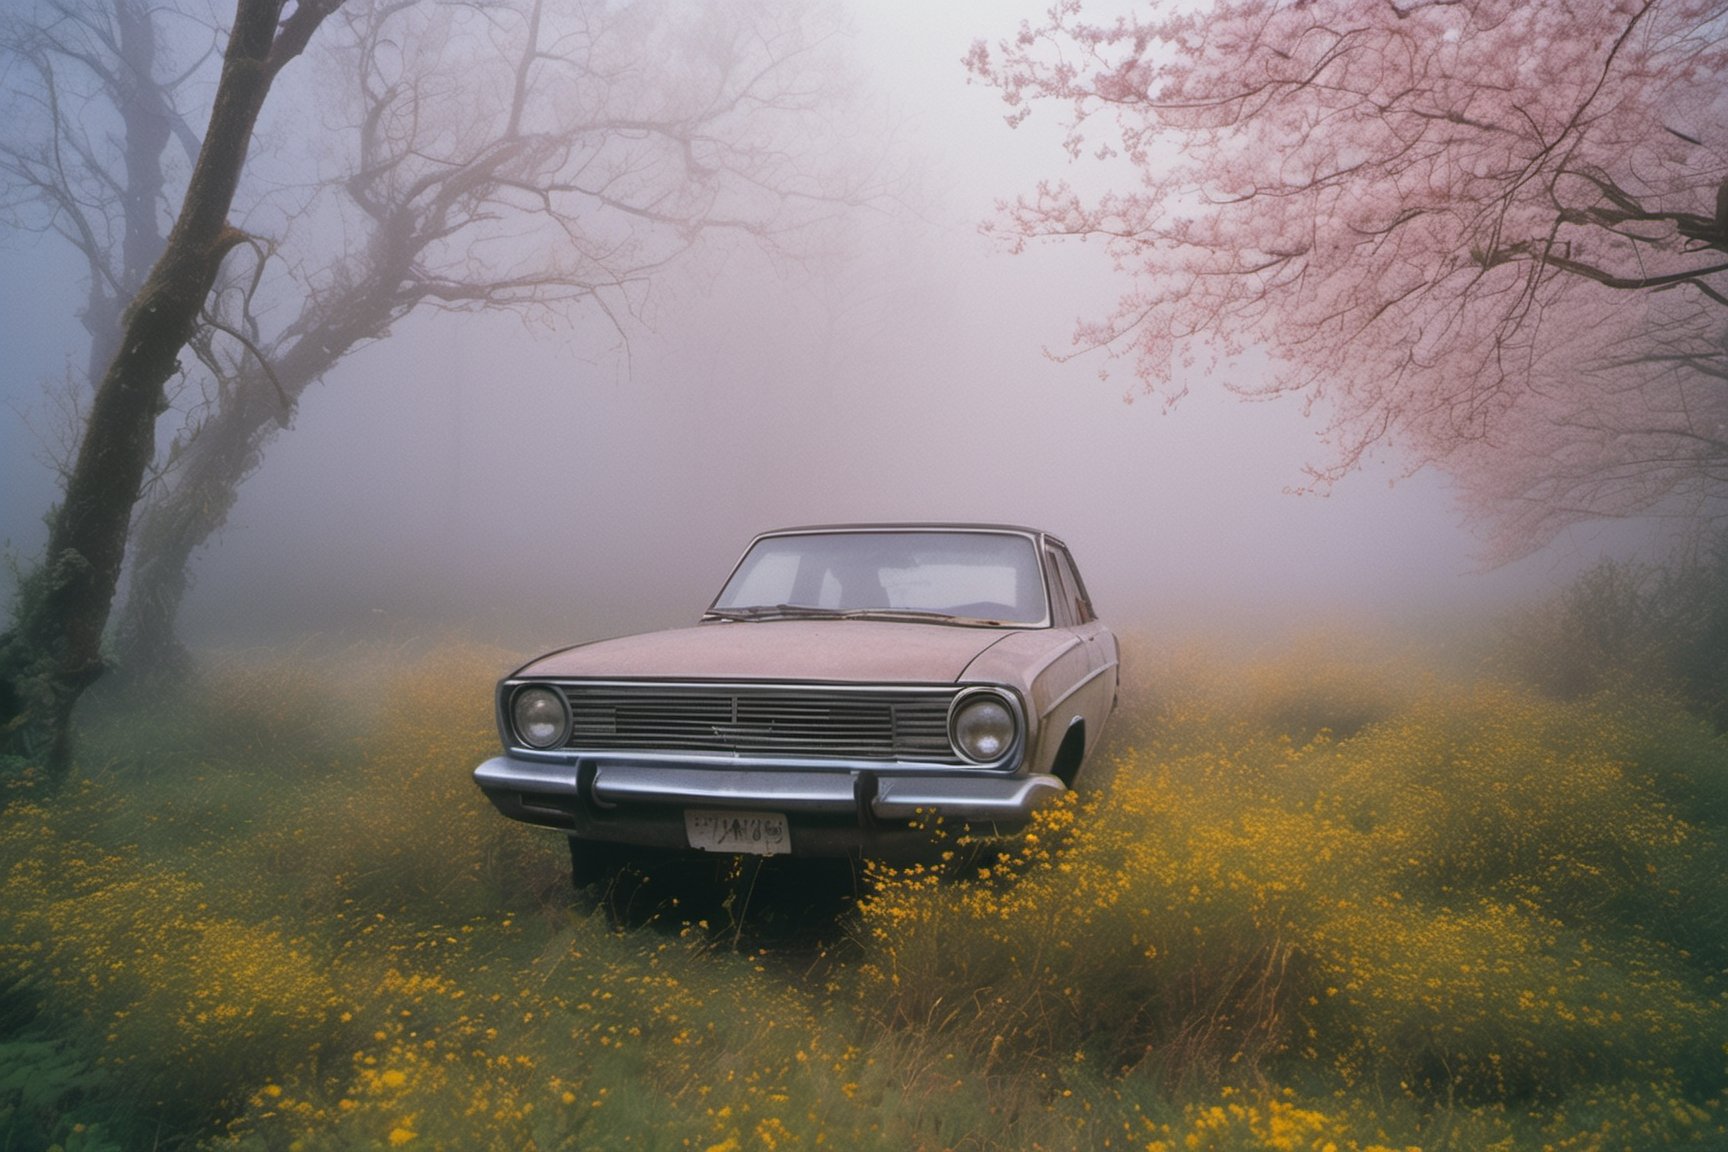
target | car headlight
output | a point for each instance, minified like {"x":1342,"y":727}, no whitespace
{"x":983,"y":726}
{"x":540,"y":716}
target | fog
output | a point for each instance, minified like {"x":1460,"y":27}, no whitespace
{"x":537,"y":483}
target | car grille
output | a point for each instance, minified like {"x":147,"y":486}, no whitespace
{"x":766,"y":720}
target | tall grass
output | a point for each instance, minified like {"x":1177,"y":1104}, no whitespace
{"x":1327,"y":902}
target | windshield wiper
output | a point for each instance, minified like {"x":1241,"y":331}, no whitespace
{"x":730,"y":614}
{"x":915,"y":615}
{"x":811,"y":612}
{"x":772,"y":612}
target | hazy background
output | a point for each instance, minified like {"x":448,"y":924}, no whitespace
{"x":542,"y":484}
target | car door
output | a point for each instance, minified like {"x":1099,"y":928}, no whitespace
{"x":1102,"y":654}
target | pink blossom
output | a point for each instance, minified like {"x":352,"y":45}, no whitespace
{"x":1489,"y":235}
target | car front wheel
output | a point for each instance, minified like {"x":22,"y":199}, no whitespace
{"x":592,"y":861}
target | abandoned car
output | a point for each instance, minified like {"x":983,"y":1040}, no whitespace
{"x":849,"y":688}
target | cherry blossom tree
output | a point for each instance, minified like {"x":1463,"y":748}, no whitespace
{"x":1490,"y":236}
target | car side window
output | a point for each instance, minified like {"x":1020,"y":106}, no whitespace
{"x":1061,"y":600}
{"x":1083,"y":613}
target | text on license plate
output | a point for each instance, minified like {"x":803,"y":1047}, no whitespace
{"x":713,"y":830}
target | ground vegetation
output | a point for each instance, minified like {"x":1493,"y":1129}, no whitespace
{"x":1334,"y":898}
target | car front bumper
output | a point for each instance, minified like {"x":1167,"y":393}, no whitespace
{"x":830,"y":811}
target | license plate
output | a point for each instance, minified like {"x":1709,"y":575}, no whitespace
{"x":760,"y":833}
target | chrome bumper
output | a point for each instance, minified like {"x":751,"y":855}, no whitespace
{"x":538,"y":792}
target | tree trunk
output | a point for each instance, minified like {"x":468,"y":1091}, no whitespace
{"x":179,"y":520}
{"x":53,"y":651}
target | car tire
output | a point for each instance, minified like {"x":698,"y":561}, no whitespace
{"x":593,"y":862}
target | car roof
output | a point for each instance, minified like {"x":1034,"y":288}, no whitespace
{"x":907,"y":526}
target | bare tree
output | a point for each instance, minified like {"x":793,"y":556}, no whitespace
{"x":53,"y":653}
{"x":539,"y":156}
{"x":105,"y":90}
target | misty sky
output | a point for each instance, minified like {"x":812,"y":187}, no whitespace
{"x":552,"y":482}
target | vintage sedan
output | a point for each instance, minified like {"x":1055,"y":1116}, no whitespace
{"x":850,"y":689}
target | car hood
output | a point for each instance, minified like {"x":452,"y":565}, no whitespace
{"x":821,"y":650}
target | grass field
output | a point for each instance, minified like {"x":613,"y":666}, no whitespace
{"x":1328,"y":901}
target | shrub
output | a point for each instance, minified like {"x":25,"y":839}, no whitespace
{"x":1620,"y":623}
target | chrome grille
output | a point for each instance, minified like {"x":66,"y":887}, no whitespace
{"x":762,"y":720}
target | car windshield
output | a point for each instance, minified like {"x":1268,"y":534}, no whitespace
{"x":979,"y":576}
